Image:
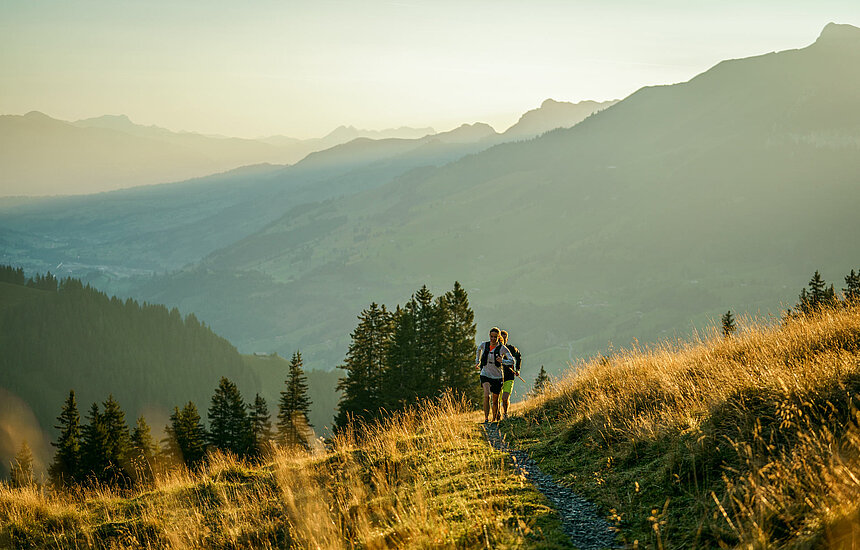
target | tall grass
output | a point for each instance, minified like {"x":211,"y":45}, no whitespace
{"x":749,"y":441}
{"x":424,"y":478}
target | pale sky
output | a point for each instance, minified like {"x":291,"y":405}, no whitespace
{"x":300,"y":68}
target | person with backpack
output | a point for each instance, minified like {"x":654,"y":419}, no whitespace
{"x":511,"y":371}
{"x":489,"y":360}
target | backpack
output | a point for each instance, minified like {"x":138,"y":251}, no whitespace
{"x":486,"y":353}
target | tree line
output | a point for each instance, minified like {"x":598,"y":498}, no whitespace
{"x":105,"y":450}
{"x":60,"y":334}
{"x":416,"y":351}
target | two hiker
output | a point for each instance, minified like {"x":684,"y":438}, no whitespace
{"x":497,"y":363}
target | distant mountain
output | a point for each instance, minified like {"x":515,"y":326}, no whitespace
{"x":659,"y":212}
{"x":111,"y":238}
{"x":554,"y":114}
{"x":40,"y":155}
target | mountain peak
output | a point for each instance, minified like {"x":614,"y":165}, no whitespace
{"x":839,"y":35}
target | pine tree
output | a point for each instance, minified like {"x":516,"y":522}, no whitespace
{"x":229,"y":425}
{"x":818,"y":296}
{"x":118,"y":440}
{"x":186,"y":436}
{"x":361,"y":388}
{"x":729,"y":325}
{"x":852,"y":291}
{"x":22,"y":467}
{"x":66,"y":465}
{"x":540,"y":382}
{"x":143,"y":451}
{"x":261,"y":425}
{"x":402,"y":373}
{"x":294,"y":406}
{"x":95,"y":463}
{"x":456,"y":344}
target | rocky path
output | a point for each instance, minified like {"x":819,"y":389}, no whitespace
{"x":586,"y":529}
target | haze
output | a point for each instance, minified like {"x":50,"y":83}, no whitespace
{"x":303,"y":68}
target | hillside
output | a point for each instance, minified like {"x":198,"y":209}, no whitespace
{"x":648,"y":218}
{"x":747,"y":441}
{"x":110,"y":238}
{"x":40,"y":155}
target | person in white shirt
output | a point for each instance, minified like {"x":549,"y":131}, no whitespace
{"x":489,"y":361}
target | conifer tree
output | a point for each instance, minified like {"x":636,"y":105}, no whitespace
{"x":729,"y":325}
{"x":541,"y":381}
{"x":261,"y":425}
{"x":118,"y":440}
{"x":95,"y":463}
{"x":294,"y":406}
{"x":143,"y":451}
{"x":22,"y":467}
{"x":186,"y":436}
{"x":818,"y":296}
{"x":852,"y":291}
{"x":456,"y":344}
{"x":361,"y":388}
{"x":65,"y":467}
{"x":229,"y":425}
{"x":402,"y":374}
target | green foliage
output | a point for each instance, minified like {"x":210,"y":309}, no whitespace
{"x":229,"y":425}
{"x":142,"y":451}
{"x":728,"y":324}
{"x":365,"y":366}
{"x":422,"y":350}
{"x":261,"y":426}
{"x":66,"y":464}
{"x":186,"y":437}
{"x":22,"y":467}
{"x":852,"y":290}
{"x":294,"y":406}
{"x":73,"y":336}
{"x":540,"y":381}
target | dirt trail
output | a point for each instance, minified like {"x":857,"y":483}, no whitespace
{"x":580,"y":521}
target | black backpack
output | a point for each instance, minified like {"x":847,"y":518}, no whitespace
{"x":486,"y":354}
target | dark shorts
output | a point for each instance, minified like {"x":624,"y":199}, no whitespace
{"x":495,"y":384}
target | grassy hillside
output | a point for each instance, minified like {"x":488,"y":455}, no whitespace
{"x":746,"y":442}
{"x":422,"y":480}
{"x":750,"y":442}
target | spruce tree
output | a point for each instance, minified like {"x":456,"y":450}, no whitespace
{"x":456,"y":344}
{"x":261,"y":426}
{"x":402,"y":375}
{"x":186,"y":436}
{"x":95,"y":461}
{"x":852,"y":291}
{"x":818,"y":296}
{"x":361,"y":388}
{"x":118,"y":440}
{"x":143,"y":451}
{"x":65,"y":468}
{"x":22,"y":467}
{"x":540,"y":382}
{"x":729,"y":325}
{"x":229,"y":425}
{"x":294,"y":406}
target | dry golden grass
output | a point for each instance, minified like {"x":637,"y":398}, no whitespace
{"x":752,"y":440}
{"x":421,"y":479}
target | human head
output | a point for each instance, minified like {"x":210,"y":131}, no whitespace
{"x":496,"y":331}
{"x":504,"y":336}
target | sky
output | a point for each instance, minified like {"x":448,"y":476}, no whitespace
{"x":256,"y":68}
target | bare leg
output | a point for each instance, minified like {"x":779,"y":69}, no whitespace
{"x":486,"y":386}
{"x":505,"y":398}
{"x":495,"y":407}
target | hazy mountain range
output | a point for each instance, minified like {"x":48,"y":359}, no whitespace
{"x":657,"y":213}
{"x":40,"y":155}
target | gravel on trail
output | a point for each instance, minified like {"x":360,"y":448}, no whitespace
{"x":579,"y":517}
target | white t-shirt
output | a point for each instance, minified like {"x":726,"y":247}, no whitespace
{"x":490,"y":370}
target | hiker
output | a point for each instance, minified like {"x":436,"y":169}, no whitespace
{"x":489,"y":361}
{"x":511,"y":371}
